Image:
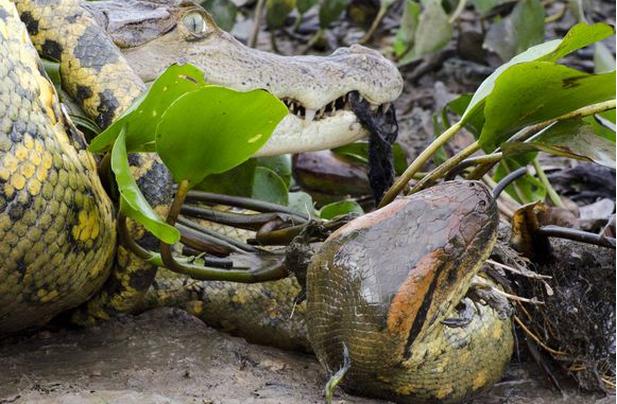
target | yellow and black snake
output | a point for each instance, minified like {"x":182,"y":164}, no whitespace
{"x":381,"y":287}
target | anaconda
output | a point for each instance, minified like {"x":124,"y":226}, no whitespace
{"x":58,"y":224}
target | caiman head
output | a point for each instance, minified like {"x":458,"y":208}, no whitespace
{"x":156,"y":33}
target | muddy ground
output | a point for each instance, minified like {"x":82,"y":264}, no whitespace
{"x":168,"y":356}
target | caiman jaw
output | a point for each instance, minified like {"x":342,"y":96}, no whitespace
{"x":306,"y":129}
{"x":314,"y":88}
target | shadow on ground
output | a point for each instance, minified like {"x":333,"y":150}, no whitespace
{"x":168,"y":356}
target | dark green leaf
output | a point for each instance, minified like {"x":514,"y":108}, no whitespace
{"x":533,"y":92}
{"x":140,"y":120}
{"x":304,"y":5}
{"x":238,"y":181}
{"x":339,"y":208}
{"x":277,"y":12}
{"x":213,"y":129}
{"x":223,"y":11}
{"x":484,"y":6}
{"x":133,"y":204}
{"x":523,"y":28}
{"x":86,"y":125}
{"x":409,"y":23}
{"x":53,"y":71}
{"x":330,"y":11}
{"x":579,"y":36}
{"x":573,"y":138}
{"x":279,"y":164}
{"x":269,"y":187}
{"x":433,"y":33}
{"x":302,"y":202}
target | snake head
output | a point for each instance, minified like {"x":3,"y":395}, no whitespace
{"x":384,"y":282}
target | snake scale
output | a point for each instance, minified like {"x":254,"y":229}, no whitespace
{"x":59,"y":250}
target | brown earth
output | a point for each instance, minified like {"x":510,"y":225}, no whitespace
{"x":168,"y":356}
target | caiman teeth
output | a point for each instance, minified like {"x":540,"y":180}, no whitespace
{"x":330,"y":109}
{"x":310,"y":114}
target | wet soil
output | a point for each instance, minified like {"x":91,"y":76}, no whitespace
{"x":169,"y":356}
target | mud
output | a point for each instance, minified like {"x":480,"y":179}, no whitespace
{"x":168,"y":356}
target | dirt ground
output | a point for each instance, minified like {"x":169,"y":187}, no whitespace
{"x":168,"y":356}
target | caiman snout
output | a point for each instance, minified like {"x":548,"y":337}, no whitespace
{"x":314,"y":88}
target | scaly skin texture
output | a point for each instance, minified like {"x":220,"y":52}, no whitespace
{"x":59,"y":240}
{"x":56,"y":222}
{"x":96,"y":74}
{"x":92,"y":68}
{"x":383,"y":284}
{"x":153,"y":34}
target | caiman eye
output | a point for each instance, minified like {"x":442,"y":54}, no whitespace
{"x":195,"y":23}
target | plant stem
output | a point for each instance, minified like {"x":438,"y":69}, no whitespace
{"x":127,"y":241}
{"x":552,"y":194}
{"x":273,"y":44}
{"x":557,"y":16}
{"x":172,"y":215}
{"x":473,"y":161}
{"x":316,"y":37}
{"x":298,"y":22}
{"x":244,"y":203}
{"x":383,"y":9}
{"x":504,"y":195}
{"x":457,"y":12}
{"x":256,"y":22}
{"x":445,"y":167}
{"x":274,"y":271}
{"x":529,"y":131}
{"x":418,"y":163}
{"x":577,"y":235}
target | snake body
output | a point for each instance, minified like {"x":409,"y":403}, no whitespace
{"x":59,"y":251}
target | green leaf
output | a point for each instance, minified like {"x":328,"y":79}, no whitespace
{"x":517,"y":32}
{"x":238,"y":181}
{"x":484,"y":6}
{"x":533,"y":92}
{"x":409,"y":22}
{"x":339,"y":208}
{"x":269,"y":187}
{"x":601,"y":130}
{"x":304,"y":5}
{"x":213,"y":129}
{"x":603,"y":59}
{"x":277,"y":12}
{"x":140,"y":120}
{"x":433,"y":33}
{"x":573,"y":138}
{"x":302,"y":202}
{"x":133,"y":204}
{"x":579,"y":36}
{"x":223,"y":11}
{"x":330,"y":11}
{"x":86,"y":125}
{"x":475,"y":122}
{"x":279,"y":164}
{"x":52,"y":69}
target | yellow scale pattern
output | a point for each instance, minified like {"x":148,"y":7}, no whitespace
{"x":56,"y":222}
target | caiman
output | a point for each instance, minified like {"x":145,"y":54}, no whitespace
{"x":379,"y":288}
